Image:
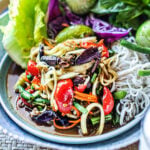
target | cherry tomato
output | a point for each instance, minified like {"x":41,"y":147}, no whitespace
{"x":80,"y":88}
{"x":32,"y":68}
{"x":108,"y":101}
{"x":64,"y":95}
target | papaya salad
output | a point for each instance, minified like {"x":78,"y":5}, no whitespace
{"x":84,"y":68}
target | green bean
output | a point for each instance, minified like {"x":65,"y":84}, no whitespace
{"x":116,"y":119}
{"x":80,"y":107}
{"x":144,"y":72}
{"x":20,"y":88}
{"x":119,"y":95}
{"x":36,"y":94}
{"x":145,"y":50}
{"x":96,"y":120}
{"x":40,"y":108}
{"x":26,"y":95}
{"x":29,"y":77}
{"x":42,"y":101}
{"x":94,"y":77}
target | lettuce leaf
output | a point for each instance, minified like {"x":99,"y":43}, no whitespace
{"x":25,"y":29}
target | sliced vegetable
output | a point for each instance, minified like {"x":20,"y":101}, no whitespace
{"x":105,"y":52}
{"x":80,"y":107}
{"x":144,"y":72}
{"x":26,"y":95}
{"x":76,"y":111}
{"x":41,"y":100}
{"x":36,"y":80}
{"x":32,"y":68}
{"x":74,"y":123}
{"x":80,"y":88}
{"x":80,"y":7}
{"x":145,"y":50}
{"x":95,"y":120}
{"x":36,"y":94}
{"x":20,"y":81}
{"x":116,"y":119}
{"x":85,"y":116}
{"x":64,"y":95}
{"x":77,"y":31}
{"x":26,"y":103}
{"x":93,"y":77}
{"x":85,"y":97}
{"x":108,"y":101}
{"x":29,"y":77}
{"x":119,"y":95}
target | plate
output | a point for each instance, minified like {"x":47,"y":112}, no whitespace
{"x":10,"y":128}
{"x":5,"y":102}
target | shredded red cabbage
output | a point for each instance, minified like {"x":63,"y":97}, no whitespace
{"x":101,"y":28}
{"x":105,"y":30}
{"x":55,"y":19}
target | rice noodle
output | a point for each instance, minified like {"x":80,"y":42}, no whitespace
{"x":127,"y":64}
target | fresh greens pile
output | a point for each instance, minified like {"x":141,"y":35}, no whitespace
{"x":124,"y":13}
{"x":25,"y":28}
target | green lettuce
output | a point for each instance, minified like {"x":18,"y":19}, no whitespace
{"x":26,"y":28}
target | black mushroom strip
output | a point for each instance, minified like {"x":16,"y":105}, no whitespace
{"x":50,"y":60}
{"x":41,"y":50}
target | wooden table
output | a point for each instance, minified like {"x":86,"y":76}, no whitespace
{"x":3,"y":6}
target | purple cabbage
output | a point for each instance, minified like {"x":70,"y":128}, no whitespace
{"x":55,"y":19}
{"x":105,"y":30}
{"x":53,"y":10}
{"x":101,"y":28}
{"x":88,"y":55}
{"x":45,"y":118}
{"x":72,"y":18}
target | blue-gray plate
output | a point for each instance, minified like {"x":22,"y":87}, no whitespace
{"x":119,"y":135}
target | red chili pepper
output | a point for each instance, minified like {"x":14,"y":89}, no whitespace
{"x":32,"y":68}
{"x":80,"y":88}
{"x":36,"y":80}
{"x":108,"y":101}
{"x":87,"y":44}
{"x":64,"y":95}
{"x":105,"y":52}
{"x":26,"y":103}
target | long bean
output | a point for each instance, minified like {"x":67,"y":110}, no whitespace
{"x":80,"y":107}
{"x":145,"y":50}
{"x":96,"y":120}
{"x":144,"y":72}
